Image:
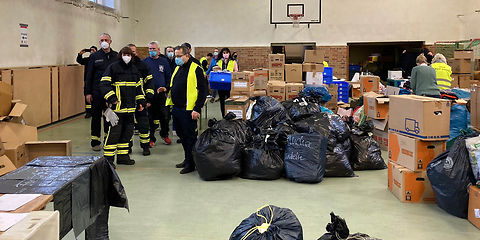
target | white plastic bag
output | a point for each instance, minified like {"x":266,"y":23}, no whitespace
{"x":473,"y":146}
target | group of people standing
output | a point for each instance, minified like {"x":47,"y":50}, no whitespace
{"x":429,"y":78}
{"x":144,"y":94}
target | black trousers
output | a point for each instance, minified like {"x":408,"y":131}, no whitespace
{"x":159,"y":116}
{"x":98,"y":105}
{"x":186,"y":129}
{"x":88,"y":107}
{"x":143,"y":127}
{"x":118,"y":138}
{"x":223,"y":95}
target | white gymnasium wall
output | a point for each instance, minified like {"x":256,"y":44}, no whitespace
{"x":56,"y":31}
{"x":470,"y":19}
{"x":246,"y":22}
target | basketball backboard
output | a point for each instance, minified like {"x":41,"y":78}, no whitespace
{"x":281,"y":11}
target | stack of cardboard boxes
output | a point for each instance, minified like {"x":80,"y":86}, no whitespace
{"x":18,"y":142}
{"x":293,"y":78}
{"x":313,"y":67}
{"x":276,"y":78}
{"x":242,"y":89}
{"x":376,"y":106}
{"x":414,"y":142}
{"x":461,"y":69}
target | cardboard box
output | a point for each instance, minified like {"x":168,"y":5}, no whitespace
{"x":420,"y":117}
{"x":238,"y":106}
{"x":412,"y":153}
{"x":276,"y":89}
{"x":460,"y":65}
{"x":333,"y":90}
{"x":392,"y":91}
{"x":390,"y":176}
{"x":16,"y":153}
{"x":376,"y":105}
{"x":260,"y":79}
{"x":476,"y":75}
{"x":260,"y":93}
{"x":16,"y":113}
{"x":314,"y":56}
{"x":6,"y":165}
{"x":293,"y":73}
{"x":370,"y":84}
{"x":312,"y":67}
{"x":314,"y":78}
{"x":356,"y":89}
{"x":475,"y":107}
{"x":380,"y":133}
{"x":276,"y":61}
{"x":409,"y":186}
{"x":475,"y":82}
{"x":2,"y":148}
{"x":276,"y":74}
{"x":35,"y":149}
{"x":461,"y":80}
{"x":239,"y":94}
{"x":395,"y":75}
{"x":474,"y":206}
{"x":293,"y":89}
{"x":6,"y":96}
{"x":463,"y":54}
{"x":242,"y":82}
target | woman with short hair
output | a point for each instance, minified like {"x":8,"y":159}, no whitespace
{"x":424,"y":79}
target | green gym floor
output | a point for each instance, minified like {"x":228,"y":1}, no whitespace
{"x":166,"y":205}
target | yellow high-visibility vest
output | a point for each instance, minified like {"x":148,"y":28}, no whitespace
{"x":192,"y":92}
{"x":444,"y":75}
{"x":230,"y":65}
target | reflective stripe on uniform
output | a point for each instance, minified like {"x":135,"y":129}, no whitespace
{"x":150,"y":91}
{"x":122,"y":145}
{"x":95,"y":138}
{"x":122,"y":152}
{"x":138,"y":97}
{"x":126,"y":110}
{"x":125,"y":84}
{"x":156,"y":121}
{"x":110,"y":147}
{"x":109,"y":153}
{"x":109,"y":94}
{"x":88,"y":106}
{"x":106,"y":78}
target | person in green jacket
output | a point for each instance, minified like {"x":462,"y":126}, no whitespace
{"x":444,"y":72}
{"x":424,"y":79}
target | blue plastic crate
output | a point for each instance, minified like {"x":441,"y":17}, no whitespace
{"x":327,"y":71}
{"x":354,"y":68}
{"x":327,"y":80}
{"x":344,"y":99}
{"x":220,"y":80}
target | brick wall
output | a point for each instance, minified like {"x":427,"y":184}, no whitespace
{"x":256,"y":57}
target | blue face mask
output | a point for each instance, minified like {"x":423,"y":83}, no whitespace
{"x":153,"y":53}
{"x":179,"y":61}
{"x":170,"y":54}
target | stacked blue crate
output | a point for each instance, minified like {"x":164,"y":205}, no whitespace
{"x":343,"y":89}
{"x":327,"y":75}
{"x":220,"y":80}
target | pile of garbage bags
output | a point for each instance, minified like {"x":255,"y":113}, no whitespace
{"x":297,"y":139}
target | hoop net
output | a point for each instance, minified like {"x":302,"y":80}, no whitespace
{"x":296,"y":19}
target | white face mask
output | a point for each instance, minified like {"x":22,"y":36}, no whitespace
{"x":104,"y":45}
{"x":126,"y":59}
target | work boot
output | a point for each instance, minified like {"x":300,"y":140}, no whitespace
{"x":187,"y":170}
{"x":96,"y":148}
{"x":88,"y":115}
{"x":125,"y":160}
{"x":179,"y":140}
{"x":180,"y":165}
{"x":146,"y":151}
{"x":167,"y":140}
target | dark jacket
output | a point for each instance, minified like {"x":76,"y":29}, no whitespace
{"x":99,"y":61}
{"x":121,"y":82}
{"x":179,"y":87}
{"x":160,"y":69}
{"x":145,"y":77}
{"x":83,"y":61}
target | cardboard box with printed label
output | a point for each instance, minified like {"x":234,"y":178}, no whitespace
{"x":276,"y":74}
{"x":475,"y":107}
{"x":6,"y":165}
{"x":260,"y":79}
{"x":314,"y":56}
{"x":420,"y":117}
{"x":463,"y":54}
{"x":314,"y":78}
{"x":36,"y":149}
{"x":376,"y":105}
{"x":409,"y":186}
{"x":474,"y":206}
{"x":260,"y":93}
{"x":461,"y":80}
{"x":293,"y":89}
{"x":380,"y":133}
{"x":293,"y":73}
{"x":370,"y":84}
{"x":238,"y":106}
{"x":412,"y":153}
{"x":312,"y":67}
{"x":276,"y":89}
{"x":276,"y":61}
{"x":460,"y":65}
{"x":242,"y":83}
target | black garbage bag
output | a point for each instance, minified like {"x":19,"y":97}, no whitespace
{"x":284,"y":129}
{"x":451,"y":174}
{"x":300,"y":108}
{"x":263,"y":158}
{"x":217,"y":153}
{"x":305,"y":157}
{"x":267,"y":112}
{"x":330,"y":125}
{"x":239,"y":128}
{"x":269,"y":223}
{"x":337,"y":229}
{"x":338,"y":164}
{"x":366,"y":154}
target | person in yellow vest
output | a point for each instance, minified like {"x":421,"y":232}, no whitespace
{"x":205,"y":61}
{"x":226,"y":63}
{"x":444,"y":72}
{"x":325,"y":64}
{"x":188,"y":91}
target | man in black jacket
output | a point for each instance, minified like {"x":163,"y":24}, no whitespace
{"x":188,"y":91}
{"x":99,"y":61}
{"x":84,"y":61}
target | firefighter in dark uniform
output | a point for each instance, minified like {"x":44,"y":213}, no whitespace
{"x":122,"y":89}
{"x":84,"y":61}
{"x":188,"y":91}
{"x":142,"y":123}
{"x":99,"y":61}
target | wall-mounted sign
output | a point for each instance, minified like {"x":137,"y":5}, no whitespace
{"x":23,"y":35}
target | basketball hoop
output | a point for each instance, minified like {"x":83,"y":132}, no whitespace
{"x":296,"y":19}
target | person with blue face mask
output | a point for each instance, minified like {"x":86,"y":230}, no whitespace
{"x":170,"y":53}
{"x":158,"y":113}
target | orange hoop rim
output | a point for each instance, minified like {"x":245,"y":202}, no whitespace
{"x":295,"y":17}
